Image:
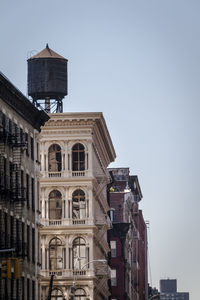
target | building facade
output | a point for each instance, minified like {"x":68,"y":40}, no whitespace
{"x":20,"y":124}
{"x":168,"y":290}
{"x":128,"y":238}
{"x":76,"y":150}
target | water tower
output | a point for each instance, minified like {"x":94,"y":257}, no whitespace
{"x":47,"y":80}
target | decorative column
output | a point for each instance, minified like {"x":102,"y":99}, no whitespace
{"x":89,"y":157}
{"x":66,"y":204}
{"x":90,"y":196}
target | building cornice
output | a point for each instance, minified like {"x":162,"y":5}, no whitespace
{"x":19,"y":103}
{"x":83,"y":121}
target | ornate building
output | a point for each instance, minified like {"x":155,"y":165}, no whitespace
{"x":76,"y":150}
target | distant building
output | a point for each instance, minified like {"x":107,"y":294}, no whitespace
{"x":20,"y":123}
{"x":128,"y":238}
{"x":168,"y":290}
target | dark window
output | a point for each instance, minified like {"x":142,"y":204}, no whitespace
{"x":22,"y":184}
{"x":12,"y":289}
{"x":27,"y":144}
{"x":33,"y":290}
{"x":21,"y":136}
{"x":37,"y":152}
{"x":28,"y":242}
{"x":22,"y":280}
{"x":17,"y":187}
{"x":23,"y":239}
{"x":17,"y":290}
{"x":57,"y":294}
{"x":11,"y":231}
{"x":54,"y":158}
{"x":78,"y":205}
{"x":33,"y":245}
{"x":10,"y":126}
{"x":17,"y":134}
{"x":3,"y":120}
{"x":6,"y":230}
{"x":11,"y":175}
{"x":22,"y":178}
{"x":55,"y":254}
{"x":28,"y":288}
{"x":27,"y":190}
{"x":79,"y":253}
{"x":33,"y":193}
{"x":32,"y":148}
{"x":78,"y":157}
{"x":55,"y":205}
{"x":113,"y":248}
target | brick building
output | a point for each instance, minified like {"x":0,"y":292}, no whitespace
{"x":128,"y":239}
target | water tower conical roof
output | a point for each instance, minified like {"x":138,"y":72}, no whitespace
{"x":47,"y":53}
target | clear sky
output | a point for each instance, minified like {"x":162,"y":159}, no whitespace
{"x":137,"y":61}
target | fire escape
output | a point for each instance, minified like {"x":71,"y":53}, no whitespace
{"x":12,"y":193}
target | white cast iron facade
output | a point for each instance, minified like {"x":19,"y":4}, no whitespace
{"x":76,"y":150}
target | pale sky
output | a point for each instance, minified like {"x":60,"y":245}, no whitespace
{"x":137,"y":61}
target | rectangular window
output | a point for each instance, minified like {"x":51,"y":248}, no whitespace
{"x":22,"y":178}
{"x":10,"y":126}
{"x":38,"y":160}
{"x":33,"y":244}
{"x":17,"y":186}
{"x":27,"y":191}
{"x":38,"y":248}
{"x":6,"y":230}
{"x":112,"y":214}
{"x":41,"y":260}
{"x":32,"y":148}
{"x":23,"y":243}
{"x":12,"y":289}
{"x":27,"y":144}
{"x":4,"y":173}
{"x":28,"y":289}
{"x":11,"y":175}
{"x":45,"y":259}
{"x":38,"y":195}
{"x":33,"y":290}
{"x":11,"y":231}
{"x":28,"y":242}
{"x":22,"y":184}
{"x":22,"y":280}
{"x":18,"y":292}
{"x":113,"y":248}
{"x":64,"y":255}
{"x":113,"y":277}
{"x":33,"y":193}
{"x":17,"y":134}
{"x":21,"y":136}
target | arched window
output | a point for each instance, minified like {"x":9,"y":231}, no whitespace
{"x":54,"y":158}
{"x":78,"y":157}
{"x":55,"y":205}
{"x":80,"y":294}
{"x":78,"y":205}
{"x":55,"y":254}
{"x":79,"y":253}
{"x":57,"y":294}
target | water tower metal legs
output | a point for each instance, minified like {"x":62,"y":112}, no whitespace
{"x":47,"y":105}
{"x":59,"y":108}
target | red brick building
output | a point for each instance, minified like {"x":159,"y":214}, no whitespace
{"x":128,"y":238}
